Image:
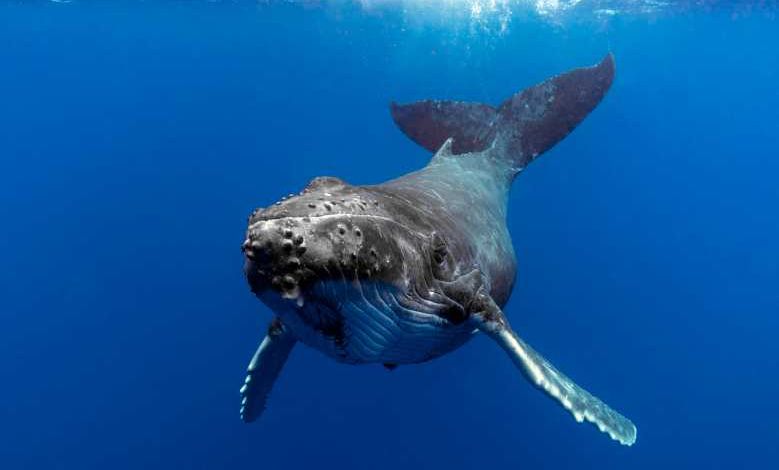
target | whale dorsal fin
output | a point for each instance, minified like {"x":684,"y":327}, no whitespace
{"x":521,"y":128}
{"x":445,"y":150}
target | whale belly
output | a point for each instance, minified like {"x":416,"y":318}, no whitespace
{"x":368,"y":323}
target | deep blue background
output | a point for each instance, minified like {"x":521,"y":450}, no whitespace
{"x":135,"y":139}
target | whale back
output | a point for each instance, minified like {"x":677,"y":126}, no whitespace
{"x":479,"y":149}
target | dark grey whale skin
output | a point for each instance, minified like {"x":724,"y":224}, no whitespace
{"x":408,"y":270}
{"x":438,"y":235}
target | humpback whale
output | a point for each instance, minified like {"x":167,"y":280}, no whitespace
{"x":408,"y":270}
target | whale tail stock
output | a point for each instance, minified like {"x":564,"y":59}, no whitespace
{"x":521,"y":128}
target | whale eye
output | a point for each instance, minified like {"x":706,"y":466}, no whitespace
{"x":442,"y":264}
{"x":440,"y":250}
{"x":439,"y":254}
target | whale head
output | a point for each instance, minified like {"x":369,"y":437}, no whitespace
{"x":328,"y":229}
{"x":312,"y":253}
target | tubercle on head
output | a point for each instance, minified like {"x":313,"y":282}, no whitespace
{"x":287,"y":254}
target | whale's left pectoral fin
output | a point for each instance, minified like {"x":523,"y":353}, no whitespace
{"x":581,"y":404}
{"x":264,"y":368}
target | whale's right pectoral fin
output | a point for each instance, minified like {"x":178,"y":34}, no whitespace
{"x":580,"y":403}
{"x":264,"y":368}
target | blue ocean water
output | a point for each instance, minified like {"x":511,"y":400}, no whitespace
{"x":135,"y":138}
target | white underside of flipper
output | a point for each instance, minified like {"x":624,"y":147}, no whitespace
{"x":579,"y":402}
{"x":263,"y":370}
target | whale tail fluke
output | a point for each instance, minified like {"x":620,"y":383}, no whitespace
{"x":521,"y":128}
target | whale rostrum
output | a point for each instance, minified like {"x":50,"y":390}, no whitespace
{"x":408,"y":270}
